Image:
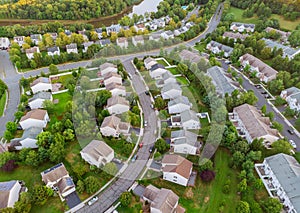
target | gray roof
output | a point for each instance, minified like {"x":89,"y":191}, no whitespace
{"x":71,"y":46}
{"x":287,"y":171}
{"x":221,"y":47}
{"x":235,"y":35}
{"x":193,"y":57}
{"x":5,"y":188}
{"x":98,"y":30}
{"x":188,"y":115}
{"x":178,"y":100}
{"x":41,"y":95}
{"x":245,"y":25}
{"x":157,"y":66}
{"x":87,"y":44}
{"x":103,"y":42}
{"x":31,"y":133}
{"x":167,"y":75}
{"x":170,"y":86}
{"x":296,"y":96}
{"x":286,"y":49}
{"x":222,"y":83}
{"x":53,"y":49}
{"x":292,"y":91}
{"x":184,"y":137}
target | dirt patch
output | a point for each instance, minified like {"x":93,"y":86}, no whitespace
{"x":189,"y":193}
{"x":206,"y":199}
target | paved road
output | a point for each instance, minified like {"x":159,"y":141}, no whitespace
{"x":263,"y":101}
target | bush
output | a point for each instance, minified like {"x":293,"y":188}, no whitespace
{"x":226,"y":189}
{"x":207,"y":175}
{"x":9,"y":166}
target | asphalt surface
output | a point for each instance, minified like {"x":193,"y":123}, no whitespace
{"x":262,"y":100}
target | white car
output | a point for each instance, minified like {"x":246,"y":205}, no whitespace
{"x":146,"y":123}
{"x":294,"y":145}
{"x":92,"y":201}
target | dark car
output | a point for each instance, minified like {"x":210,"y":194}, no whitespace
{"x":264,"y":92}
{"x":291,"y":131}
{"x":151,"y":149}
{"x":147,"y":93}
{"x":258,"y":86}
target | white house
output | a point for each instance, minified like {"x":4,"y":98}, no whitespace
{"x":112,"y":126}
{"x":20,"y":40}
{"x":30,"y":52}
{"x":4,"y":43}
{"x":112,"y":77}
{"x":28,"y":139}
{"x":107,"y":68}
{"x":167,"y":34}
{"x":72,"y":48}
{"x":176,"y":169}
{"x":116,"y":89}
{"x":83,"y":33}
{"x":86,"y":45}
{"x":281,"y":177}
{"x":122,"y":42}
{"x":117,"y":105}
{"x":38,"y":99}
{"x":189,"y":120}
{"x":9,"y":193}
{"x":165,"y":78}
{"x":193,"y":57}
{"x":162,"y":200}
{"x":241,"y":27}
{"x":36,"y":38}
{"x":251,"y":124}
{"x":284,"y":35}
{"x":97,"y":153}
{"x":52,"y":51}
{"x":235,"y":36}
{"x":53,"y":35}
{"x":292,"y":96}
{"x":58,"y":179}
{"x":99,"y":32}
{"x":184,"y":142}
{"x":113,"y":28}
{"x":157,"y":70}
{"x":217,"y":48}
{"x":35,"y":118}
{"x":41,"y":84}
{"x":178,"y":105}
{"x":149,"y":62}
{"x":263,"y":71}
{"x":103,"y":42}
{"x":137,"y":40}
{"x":154,"y":37}
{"x":171,"y":91}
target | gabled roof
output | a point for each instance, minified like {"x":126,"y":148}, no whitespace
{"x":187,"y":55}
{"x":87,"y":44}
{"x":179,"y":100}
{"x":138,"y":38}
{"x":110,"y":75}
{"x":157,"y":66}
{"x":244,"y":24}
{"x":177,"y":164}
{"x":112,"y":86}
{"x":114,"y":100}
{"x":31,"y":133}
{"x":188,"y":115}
{"x":53,"y":49}
{"x":292,"y":91}
{"x":41,"y":95}
{"x":5,"y":189}
{"x":104,"y":41}
{"x":97,"y":149}
{"x":65,"y":184}
{"x":221,"y":46}
{"x":122,"y":40}
{"x":35,"y":36}
{"x":32,"y":50}
{"x":166,"y":201}
{"x":149,"y":60}
{"x":111,"y":121}
{"x":98,"y":30}
{"x":235,"y":35}
{"x":54,"y":173}
{"x":169,"y":87}
{"x":107,"y":65}
{"x":38,"y":114}
{"x":72,"y":46}
{"x":40,"y":80}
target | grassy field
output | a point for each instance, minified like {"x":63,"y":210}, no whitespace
{"x":284,"y":24}
{"x":162,"y":62}
{"x":174,"y":71}
{"x":201,"y":47}
{"x":63,"y":99}
{"x":182,"y":80}
{"x":2,"y":103}
{"x":207,"y":197}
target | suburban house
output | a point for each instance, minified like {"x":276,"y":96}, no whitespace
{"x":149,"y":62}
{"x":35,"y":118}
{"x":58,"y":179}
{"x":117,"y":105}
{"x":284,"y":35}
{"x":97,"y":153}
{"x":167,"y":34}
{"x":112,"y":77}
{"x":155,"y":24}
{"x":71,"y":48}
{"x":157,"y":70}
{"x":181,"y":30}
{"x":20,"y":40}
{"x":116,"y":89}
{"x":178,"y":105}
{"x":112,"y":126}
{"x":166,"y":78}
{"x":139,"y":27}
{"x":36,"y":38}
{"x":38,"y":99}
{"x":103,"y":42}
{"x":184,"y":142}
{"x":287,"y":51}
{"x":68,"y":33}
{"x":99,"y":32}
{"x":137,"y":40}
{"x":162,"y":200}
{"x":10,"y":192}
{"x":235,"y":36}
{"x":154,"y":37}
{"x":83,"y":33}
{"x":4,"y":43}
{"x":280,"y":174}
{"x":86,"y":45}
{"x":171,"y":91}
{"x":107,"y":68}
{"x":222,"y":81}
{"x":122,"y":42}
{"x":241,"y":27}
{"x":264,"y":72}
{"x":52,"y":51}
{"x":251,"y":124}
{"x":28,"y":139}
{"x":292,"y":97}
{"x":187,"y":55}
{"x":187,"y":119}
{"x":53,"y":35}
{"x":41,"y":84}
{"x":30,"y":52}
{"x":216,"y":48}
{"x":113,"y":28}
{"x":176,"y":169}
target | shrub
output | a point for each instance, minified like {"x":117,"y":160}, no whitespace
{"x":207,"y":175}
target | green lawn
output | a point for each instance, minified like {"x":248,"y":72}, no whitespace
{"x":2,"y":103}
{"x":182,"y":80}
{"x":207,"y":197}
{"x":63,"y":99}
{"x":284,"y":24}
{"x":134,"y":207}
{"x":195,"y":98}
{"x":174,"y":70}
{"x":162,"y":62}
{"x":201,"y":47}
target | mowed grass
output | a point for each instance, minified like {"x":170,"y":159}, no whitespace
{"x":2,"y":103}
{"x":207,"y":197}
{"x":162,"y":62}
{"x":284,"y":24}
{"x":200,"y":47}
{"x":63,"y":98}
{"x":182,"y":80}
{"x":174,"y":71}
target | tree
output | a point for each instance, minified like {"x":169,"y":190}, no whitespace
{"x":238,"y":158}
{"x":110,"y":168}
{"x":11,"y":127}
{"x":92,"y":184}
{"x":242,"y":186}
{"x":277,"y":125}
{"x":161,"y":145}
{"x":53,"y":69}
{"x":264,"y":109}
{"x":159,"y":103}
{"x":125,"y":199}
{"x":40,"y":194}
{"x":32,"y":158}
{"x":271,"y":205}
{"x":243,"y":207}
{"x":49,"y":106}
{"x":9,"y":166}
{"x":8,"y":135}
{"x":56,"y":151}
{"x":24,"y":203}
{"x":207,"y":175}
{"x":281,"y":146}
{"x":294,"y":38}
{"x":102,"y":97}
{"x":205,"y":164}
{"x":80,"y":186}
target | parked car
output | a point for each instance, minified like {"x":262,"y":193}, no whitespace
{"x":258,"y":86}
{"x":134,"y":158}
{"x":146,"y":123}
{"x":267,"y":96}
{"x":294,"y":145}
{"x":290,"y":131}
{"x":264,"y":92}
{"x":151,"y":149}
{"x":227,"y":62}
{"x":141,"y":145}
{"x":92,"y":201}
{"x":147,"y":93}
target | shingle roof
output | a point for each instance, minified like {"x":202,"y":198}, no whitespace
{"x":235,"y":35}
{"x":221,"y":46}
{"x":31,"y":132}
{"x":40,"y":80}
{"x":71,"y":46}
{"x":170,"y":86}
{"x":38,"y":114}
{"x":107,"y":65}
{"x":117,"y":100}
{"x":41,"y":95}
{"x":111,"y":121}
{"x":190,"y":56}
{"x":177,"y":164}
{"x":113,"y":85}
{"x":166,"y":201}
{"x":188,"y":115}
{"x":53,"y":49}
{"x":54,"y":173}
{"x":65,"y":184}
{"x":190,"y":137}
{"x":5,"y":188}
{"x":97,"y":149}
{"x":179,"y":100}
{"x":111,"y":74}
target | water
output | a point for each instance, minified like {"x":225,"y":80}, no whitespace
{"x":145,"y":6}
